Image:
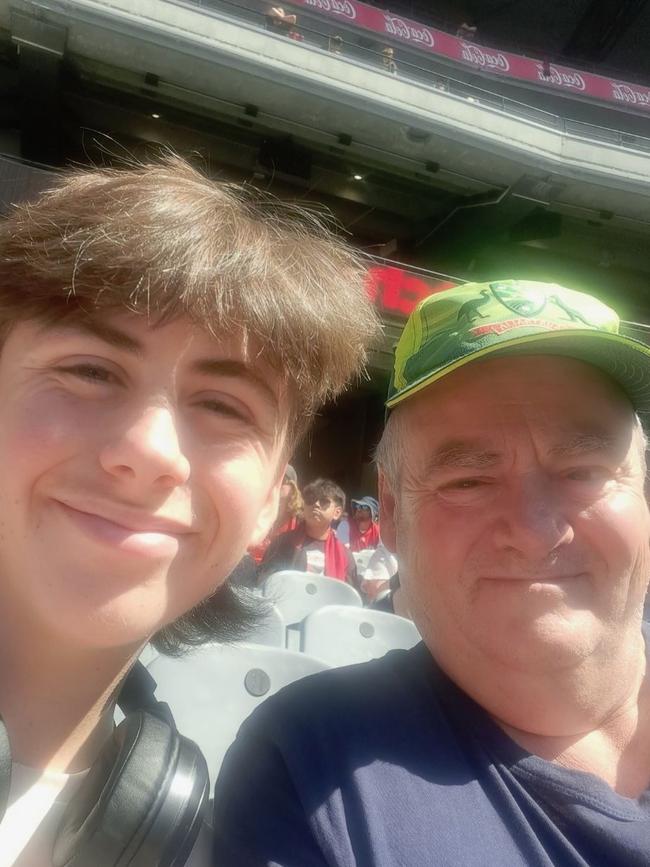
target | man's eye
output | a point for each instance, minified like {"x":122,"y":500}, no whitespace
{"x":589,"y":475}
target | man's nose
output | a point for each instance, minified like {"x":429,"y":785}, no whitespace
{"x":148,"y":450}
{"x":535,"y":522}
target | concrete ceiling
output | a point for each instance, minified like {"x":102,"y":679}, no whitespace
{"x":421,"y":195}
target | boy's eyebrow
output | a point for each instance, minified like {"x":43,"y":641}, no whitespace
{"x":238,"y":369}
{"x":209,"y":366}
{"x":108,"y":333}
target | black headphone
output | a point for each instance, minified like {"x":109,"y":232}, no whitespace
{"x":143,"y":801}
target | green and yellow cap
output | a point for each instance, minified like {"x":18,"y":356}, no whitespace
{"x":452,"y":328}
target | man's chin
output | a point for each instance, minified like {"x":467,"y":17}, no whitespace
{"x":553,"y":639}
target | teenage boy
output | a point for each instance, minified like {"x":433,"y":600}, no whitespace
{"x":313,"y":545}
{"x":165,"y":340}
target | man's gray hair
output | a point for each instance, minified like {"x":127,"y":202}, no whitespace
{"x":390,"y":451}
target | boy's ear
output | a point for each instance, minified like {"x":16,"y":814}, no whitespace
{"x":267,"y":515}
{"x":338,"y":511}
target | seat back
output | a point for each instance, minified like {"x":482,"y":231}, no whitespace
{"x":297,"y":594}
{"x":214,"y":688}
{"x":270,"y":628}
{"x":340,"y":635}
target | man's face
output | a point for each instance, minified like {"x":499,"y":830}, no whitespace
{"x":319,"y":512}
{"x":519,"y":521}
{"x":137,"y":464}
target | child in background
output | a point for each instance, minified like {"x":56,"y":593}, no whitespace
{"x":289,"y":513}
{"x":364,"y":524}
{"x":313,"y":546}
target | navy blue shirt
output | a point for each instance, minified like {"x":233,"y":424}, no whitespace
{"x":389,"y":764}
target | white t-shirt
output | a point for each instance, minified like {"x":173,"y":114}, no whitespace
{"x":315,"y":559}
{"x":381,"y":566}
{"x":37,"y":801}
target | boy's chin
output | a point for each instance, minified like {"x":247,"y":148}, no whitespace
{"x":316,"y":529}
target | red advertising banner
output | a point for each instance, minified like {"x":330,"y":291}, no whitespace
{"x":396,"y":291}
{"x":488,"y":60}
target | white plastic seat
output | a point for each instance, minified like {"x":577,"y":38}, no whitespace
{"x":362,"y":558}
{"x":214,"y":688}
{"x":340,"y":635}
{"x":297,"y":594}
{"x":270,"y":630}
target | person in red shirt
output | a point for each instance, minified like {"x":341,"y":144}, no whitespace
{"x":364,"y":524}
{"x":289,"y":513}
{"x":313,"y":546}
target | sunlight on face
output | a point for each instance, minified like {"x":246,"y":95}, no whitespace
{"x":137,"y":463}
{"x":520,"y":524}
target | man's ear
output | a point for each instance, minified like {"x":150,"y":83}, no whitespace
{"x":268,"y":513}
{"x":387,"y":513}
{"x":338,"y":511}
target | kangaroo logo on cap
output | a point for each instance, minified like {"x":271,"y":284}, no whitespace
{"x":524,"y":301}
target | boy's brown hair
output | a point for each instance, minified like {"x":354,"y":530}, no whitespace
{"x":163,"y":240}
{"x":326,"y":488}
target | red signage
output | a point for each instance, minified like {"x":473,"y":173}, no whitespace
{"x":396,"y":291}
{"x":489,"y":60}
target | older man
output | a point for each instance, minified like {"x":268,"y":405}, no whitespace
{"x":518,"y":733}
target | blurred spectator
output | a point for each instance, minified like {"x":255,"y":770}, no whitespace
{"x":466,"y":31}
{"x":376,"y":577}
{"x":278,"y":21}
{"x":335,"y":44}
{"x":388,"y":60}
{"x":364,"y":524}
{"x":342,"y":528}
{"x":313,"y":546}
{"x":289,"y":513}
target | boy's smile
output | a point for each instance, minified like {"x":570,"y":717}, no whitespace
{"x":138,"y":463}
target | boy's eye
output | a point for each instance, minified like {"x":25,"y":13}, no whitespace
{"x":89,"y":372}
{"x":220,"y":407}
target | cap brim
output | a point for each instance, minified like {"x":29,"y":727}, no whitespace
{"x":625,"y":360}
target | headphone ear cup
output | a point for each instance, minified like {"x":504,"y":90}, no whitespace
{"x":141,"y":802}
{"x":5,"y":768}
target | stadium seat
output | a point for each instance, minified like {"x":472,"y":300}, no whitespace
{"x":340,"y":635}
{"x":297,"y":594}
{"x":214,"y":688}
{"x":271,"y":629}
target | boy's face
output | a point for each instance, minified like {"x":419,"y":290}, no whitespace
{"x":319,"y":512}
{"x":137,"y":464}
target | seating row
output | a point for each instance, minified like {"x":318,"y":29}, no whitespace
{"x":212,"y":689}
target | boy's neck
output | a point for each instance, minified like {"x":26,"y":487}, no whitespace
{"x":57,"y":702}
{"x":316,"y":534}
